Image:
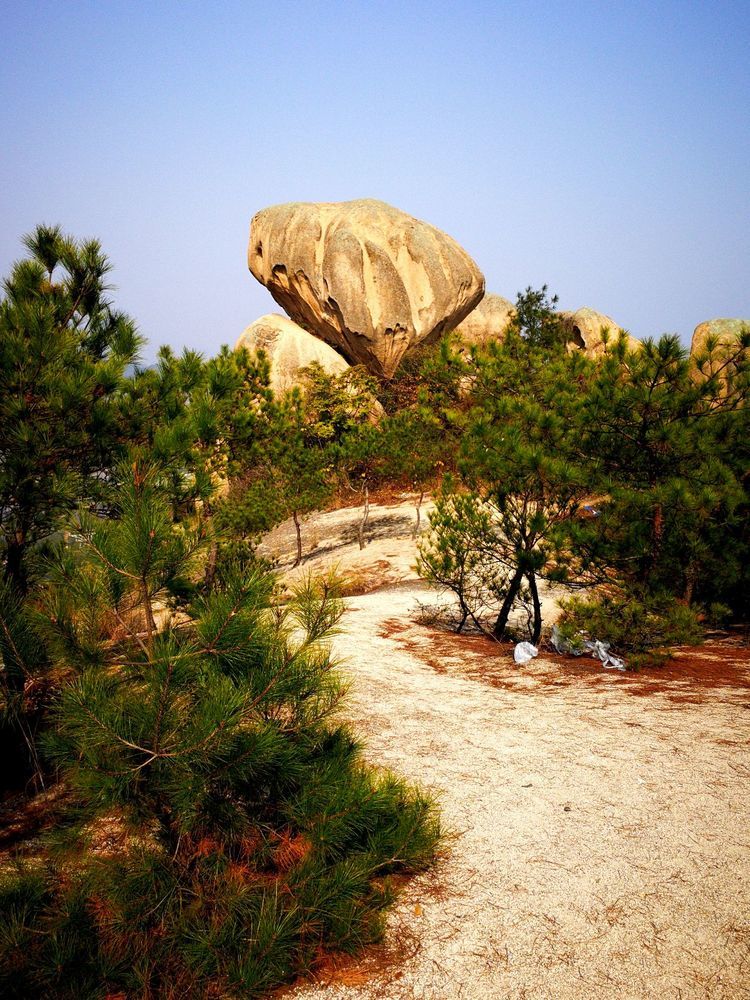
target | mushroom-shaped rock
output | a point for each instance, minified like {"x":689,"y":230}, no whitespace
{"x":363,"y":276}
{"x":586,"y":328}
{"x":488,"y":321}
{"x":289,"y":348}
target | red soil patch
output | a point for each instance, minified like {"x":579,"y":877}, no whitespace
{"x":389,"y":495}
{"x":722,"y":664}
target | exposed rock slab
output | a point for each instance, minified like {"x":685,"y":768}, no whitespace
{"x":587,"y":329}
{"x":488,"y":321}
{"x":289,"y":348}
{"x":365,"y":277}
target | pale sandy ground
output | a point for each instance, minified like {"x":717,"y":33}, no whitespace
{"x":602,"y":839}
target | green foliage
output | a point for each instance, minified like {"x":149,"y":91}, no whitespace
{"x":537,"y":322}
{"x":416,"y":450}
{"x":427,"y":371}
{"x":63,"y":352}
{"x":335,"y":406}
{"x":642,"y":629}
{"x":519,"y":459}
{"x":462,"y":554}
{"x":202,"y":421}
{"x":668,"y":451}
{"x":26,"y":689}
{"x":291,"y":478}
{"x":292,"y":467}
{"x":199,"y":725}
{"x":655,"y":440}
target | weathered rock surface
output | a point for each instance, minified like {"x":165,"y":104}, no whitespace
{"x":586,"y":327}
{"x":488,"y":321}
{"x":363,"y":276}
{"x":725,"y":330}
{"x":288,"y":348}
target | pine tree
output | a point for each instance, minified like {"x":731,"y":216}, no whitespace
{"x":63,"y":352}
{"x":667,"y":439}
{"x":225,"y":831}
{"x":520,"y":462}
{"x":418,"y":449}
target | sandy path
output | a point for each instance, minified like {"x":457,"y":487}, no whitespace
{"x":602,"y":839}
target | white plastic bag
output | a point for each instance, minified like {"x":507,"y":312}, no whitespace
{"x":524,"y":652}
{"x":601,"y":649}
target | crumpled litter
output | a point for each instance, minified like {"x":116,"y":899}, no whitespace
{"x":575,"y":647}
{"x":524,"y":652}
{"x":601,"y":649}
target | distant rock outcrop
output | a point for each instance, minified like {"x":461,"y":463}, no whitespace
{"x":363,"y":276}
{"x":289,"y":348}
{"x":488,"y":321}
{"x":725,"y":331}
{"x":586,"y":327}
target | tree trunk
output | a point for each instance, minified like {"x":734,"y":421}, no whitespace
{"x":531,"y":577}
{"x":689,"y":585}
{"x":502,"y":618}
{"x":298,"y":529}
{"x":15,"y":569}
{"x":419,"y":514}
{"x":465,"y":613}
{"x":210,"y":574}
{"x":213,"y":553}
{"x":149,"y":616}
{"x":365,"y":515}
{"x":657,"y":533}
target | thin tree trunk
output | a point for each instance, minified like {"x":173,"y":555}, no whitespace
{"x":210,"y":574}
{"x":15,"y":570}
{"x":465,"y":612}
{"x":149,"y":615}
{"x":213,"y":553}
{"x":365,"y":515}
{"x":298,"y":529}
{"x":502,"y":618}
{"x":657,"y":533}
{"x":419,"y":514}
{"x":689,"y":586}
{"x":531,"y":577}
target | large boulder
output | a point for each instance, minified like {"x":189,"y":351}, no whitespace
{"x":587,"y":329}
{"x":488,"y":321}
{"x":363,"y":276}
{"x":289,"y":348}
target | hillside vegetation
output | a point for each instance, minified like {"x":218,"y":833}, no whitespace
{"x":218,"y":830}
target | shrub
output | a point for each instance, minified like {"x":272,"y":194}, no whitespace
{"x":225,"y":830}
{"x":638,"y":628}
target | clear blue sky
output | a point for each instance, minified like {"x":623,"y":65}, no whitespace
{"x":602,"y":148}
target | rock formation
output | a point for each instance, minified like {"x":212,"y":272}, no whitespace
{"x":488,"y":321}
{"x":726,"y":332}
{"x":363,"y":276}
{"x":289,"y":348}
{"x":586,"y":326}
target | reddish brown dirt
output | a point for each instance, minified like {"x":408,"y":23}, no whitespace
{"x":690,"y":676}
